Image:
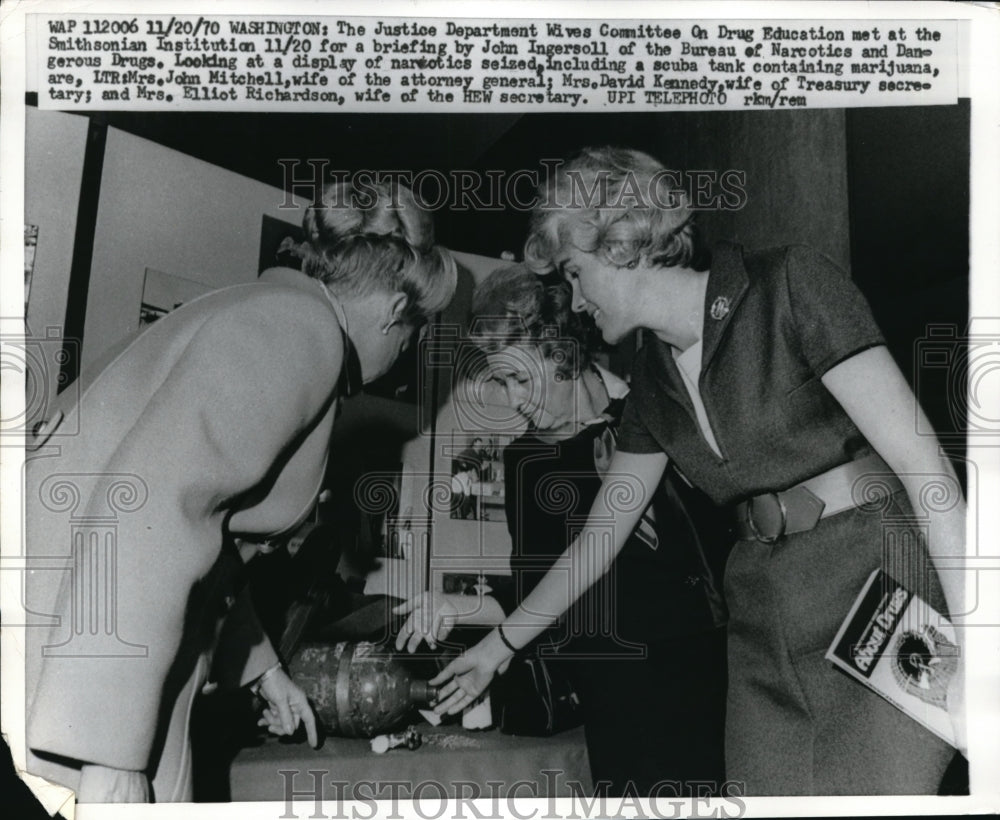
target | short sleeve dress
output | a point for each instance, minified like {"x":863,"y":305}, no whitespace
{"x":775,"y":322}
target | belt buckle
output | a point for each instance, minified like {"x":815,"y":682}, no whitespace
{"x":767,"y":539}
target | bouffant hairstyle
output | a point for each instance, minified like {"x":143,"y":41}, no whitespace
{"x":513,"y":306}
{"x":378,"y":237}
{"x":618,"y":203}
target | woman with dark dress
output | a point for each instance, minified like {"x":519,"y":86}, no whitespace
{"x":767,"y":382}
{"x":645,"y":646}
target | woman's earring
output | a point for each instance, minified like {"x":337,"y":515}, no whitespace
{"x":385,"y":330}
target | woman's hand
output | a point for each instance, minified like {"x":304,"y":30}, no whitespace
{"x":100,"y":784}
{"x":431,"y":620}
{"x":287,"y":707}
{"x":466,"y":678}
{"x":885,"y":418}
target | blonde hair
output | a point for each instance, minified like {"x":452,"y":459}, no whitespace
{"x":618,"y":203}
{"x":378,"y":237}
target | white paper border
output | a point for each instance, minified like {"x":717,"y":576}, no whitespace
{"x":983,"y":86}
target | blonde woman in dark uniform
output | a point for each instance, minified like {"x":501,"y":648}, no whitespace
{"x":768,"y":384}
{"x":216,"y":420}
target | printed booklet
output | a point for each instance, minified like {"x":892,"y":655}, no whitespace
{"x":900,"y":646}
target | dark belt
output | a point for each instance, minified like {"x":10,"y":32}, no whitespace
{"x":768,"y":517}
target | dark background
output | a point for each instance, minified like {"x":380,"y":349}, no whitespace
{"x":884,"y":191}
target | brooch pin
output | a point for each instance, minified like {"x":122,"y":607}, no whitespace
{"x":720,"y":308}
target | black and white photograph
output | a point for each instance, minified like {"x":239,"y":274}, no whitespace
{"x":558,"y":410}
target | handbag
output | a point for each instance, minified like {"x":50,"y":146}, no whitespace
{"x":535,"y":697}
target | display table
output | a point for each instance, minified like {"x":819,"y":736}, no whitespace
{"x":451,"y":762}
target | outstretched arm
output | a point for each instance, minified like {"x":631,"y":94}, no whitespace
{"x":433,"y":615}
{"x":625,"y":493}
{"x":888,"y":417}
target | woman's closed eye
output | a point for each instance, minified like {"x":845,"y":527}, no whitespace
{"x":503,"y":381}
{"x":569,"y":272}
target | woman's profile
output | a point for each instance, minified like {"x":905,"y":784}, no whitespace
{"x":766,"y":381}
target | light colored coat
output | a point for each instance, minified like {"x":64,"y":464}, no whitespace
{"x":215,"y":418}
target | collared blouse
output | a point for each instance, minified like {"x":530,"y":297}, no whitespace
{"x":775,"y":322}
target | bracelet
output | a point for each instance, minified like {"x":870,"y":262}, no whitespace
{"x":255,"y":686}
{"x":506,"y":642}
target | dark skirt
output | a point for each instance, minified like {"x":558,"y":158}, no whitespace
{"x":794,"y":724}
{"x":654,"y":725}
